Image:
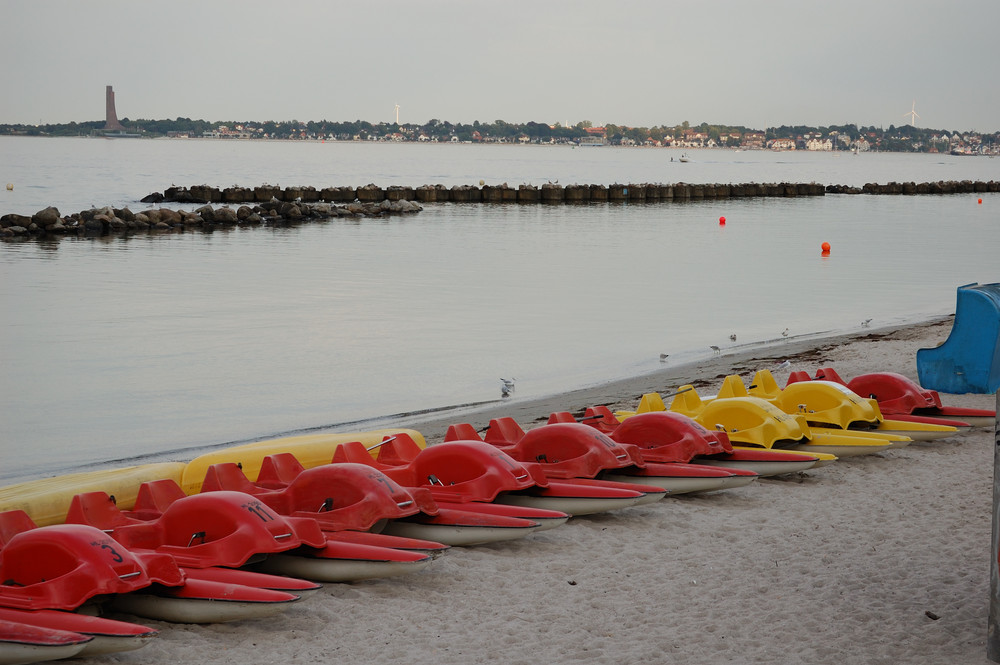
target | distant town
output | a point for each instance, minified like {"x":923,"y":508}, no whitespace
{"x":854,"y":138}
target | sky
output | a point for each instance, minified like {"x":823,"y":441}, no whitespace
{"x":752,"y":63}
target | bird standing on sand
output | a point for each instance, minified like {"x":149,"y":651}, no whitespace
{"x":506,"y":387}
{"x":864,"y":324}
{"x":716,"y":349}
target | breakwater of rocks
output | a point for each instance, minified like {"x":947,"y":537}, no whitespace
{"x":551,"y":192}
{"x":122,"y":221}
{"x":275,"y":206}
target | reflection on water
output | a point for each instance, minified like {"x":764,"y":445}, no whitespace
{"x":118,"y":348}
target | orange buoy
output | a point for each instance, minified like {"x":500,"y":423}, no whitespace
{"x":980,"y":202}
{"x":825,"y":247}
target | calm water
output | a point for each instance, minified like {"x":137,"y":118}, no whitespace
{"x":155,"y":346}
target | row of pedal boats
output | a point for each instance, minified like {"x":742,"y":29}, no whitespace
{"x":250,"y":531}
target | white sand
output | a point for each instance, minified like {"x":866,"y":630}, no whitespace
{"x":835,"y":565}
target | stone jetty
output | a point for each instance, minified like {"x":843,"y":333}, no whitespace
{"x":552,"y":193}
{"x":207,"y":218}
{"x":272,"y":205}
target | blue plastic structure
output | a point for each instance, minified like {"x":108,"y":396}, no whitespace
{"x":969,"y":360}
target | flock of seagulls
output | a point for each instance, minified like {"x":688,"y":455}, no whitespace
{"x":718,"y":351}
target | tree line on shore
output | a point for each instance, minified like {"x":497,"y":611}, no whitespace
{"x":905,"y":138}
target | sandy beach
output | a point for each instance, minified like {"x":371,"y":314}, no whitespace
{"x":875,"y":559}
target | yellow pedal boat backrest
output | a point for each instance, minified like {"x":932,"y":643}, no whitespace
{"x":763,"y":385}
{"x":648,"y":403}
{"x":687,"y":402}
{"x":732,"y":386}
{"x":753,"y":421}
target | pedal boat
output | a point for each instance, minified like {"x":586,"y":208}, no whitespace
{"x":64,"y":566}
{"x":902,"y":399}
{"x":574,"y":450}
{"x":465,"y":471}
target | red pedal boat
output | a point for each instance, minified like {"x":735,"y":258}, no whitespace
{"x":473,"y":471}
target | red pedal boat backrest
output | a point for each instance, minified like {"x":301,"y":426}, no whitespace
{"x":13,"y":522}
{"x":154,"y":497}
{"x":602,"y":418}
{"x":278,"y":470}
{"x":503,"y":431}
{"x":462,"y":432}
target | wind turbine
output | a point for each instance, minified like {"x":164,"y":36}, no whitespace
{"x":913,"y":114}
{"x":397,"y":114}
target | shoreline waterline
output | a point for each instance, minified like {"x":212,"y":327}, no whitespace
{"x":621,"y":392}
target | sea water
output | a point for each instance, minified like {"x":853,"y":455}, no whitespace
{"x":118,"y":350}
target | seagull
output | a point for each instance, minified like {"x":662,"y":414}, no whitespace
{"x":716,"y":349}
{"x":732,"y":337}
{"x":864,"y":324}
{"x":783,"y":365}
{"x":507,"y":386}
{"x":784,"y":333}
{"x":663,"y":357}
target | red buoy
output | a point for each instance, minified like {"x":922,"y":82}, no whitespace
{"x":722,"y":221}
{"x":980,"y":202}
{"x":825,"y":247}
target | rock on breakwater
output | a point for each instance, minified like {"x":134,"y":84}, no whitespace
{"x":111,"y":221}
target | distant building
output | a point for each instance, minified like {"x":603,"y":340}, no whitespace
{"x":781,"y":144}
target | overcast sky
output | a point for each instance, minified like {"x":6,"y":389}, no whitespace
{"x":756,"y":63}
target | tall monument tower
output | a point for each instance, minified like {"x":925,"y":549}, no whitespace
{"x":111,"y":123}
